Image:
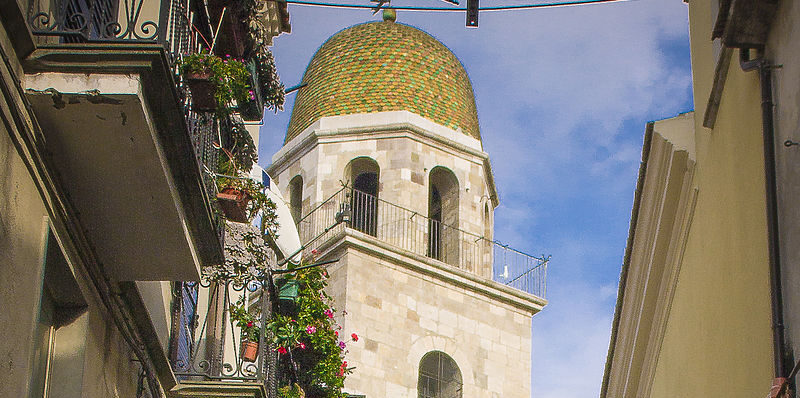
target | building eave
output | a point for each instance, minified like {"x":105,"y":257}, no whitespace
{"x":623,"y":278}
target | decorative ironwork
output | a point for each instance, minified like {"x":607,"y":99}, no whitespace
{"x":421,"y":235}
{"x":209,"y":344}
{"x":94,"y":20}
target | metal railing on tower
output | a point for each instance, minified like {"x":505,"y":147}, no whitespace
{"x":411,"y":231}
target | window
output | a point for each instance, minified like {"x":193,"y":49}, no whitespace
{"x":487,"y":241}
{"x":364,"y":174}
{"x":61,"y":329}
{"x":439,"y":377}
{"x":443,"y":231}
{"x":296,"y":198}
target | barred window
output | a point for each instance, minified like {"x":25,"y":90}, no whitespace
{"x":439,"y":377}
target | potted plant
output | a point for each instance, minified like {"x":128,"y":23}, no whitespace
{"x":240,"y":198}
{"x":250,"y":330}
{"x":215,"y":82}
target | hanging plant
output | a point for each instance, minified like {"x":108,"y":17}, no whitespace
{"x":272,"y":90}
{"x":247,"y":257}
{"x":228,"y":78}
{"x":269,"y":83}
{"x":240,"y":197}
{"x":308,"y":339}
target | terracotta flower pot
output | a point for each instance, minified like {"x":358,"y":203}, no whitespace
{"x":249,"y":350}
{"x":203,"y":91}
{"x":233,"y":203}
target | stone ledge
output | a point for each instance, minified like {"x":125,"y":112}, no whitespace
{"x":218,"y":389}
{"x":517,"y":299}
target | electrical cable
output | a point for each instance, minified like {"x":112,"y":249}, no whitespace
{"x":445,"y":9}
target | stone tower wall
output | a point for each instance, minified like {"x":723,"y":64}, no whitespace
{"x":400,"y":315}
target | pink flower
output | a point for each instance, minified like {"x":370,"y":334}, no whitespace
{"x":354,"y":336}
{"x":329,"y":313}
{"x":302,"y":346}
{"x":282,"y":350}
{"x":342,"y":345}
{"x":314,"y":252}
{"x":310,"y":329}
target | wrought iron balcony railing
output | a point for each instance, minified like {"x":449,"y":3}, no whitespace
{"x":209,"y":339}
{"x":75,"y":21}
{"x":421,"y":235}
{"x":207,"y":345}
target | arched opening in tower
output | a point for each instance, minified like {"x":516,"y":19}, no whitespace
{"x":439,"y":377}
{"x":443,"y":239}
{"x":364,"y":174}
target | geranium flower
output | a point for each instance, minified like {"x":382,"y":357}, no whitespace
{"x":249,"y":324}
{"x":310,"y":329}
{"x":282,"y":350}
{"x":329,"y":313}
{"x":342,"y":345}
{"x":302,"y":346}
{"x":335,"y":333}
{"x":354,"y":336}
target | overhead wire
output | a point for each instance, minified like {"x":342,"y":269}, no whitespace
{"x":450,"y":9}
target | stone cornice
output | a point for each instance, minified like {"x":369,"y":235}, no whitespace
{"x":517,"y":299}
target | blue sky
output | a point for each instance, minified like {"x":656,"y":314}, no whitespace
{"x":563,"y":96}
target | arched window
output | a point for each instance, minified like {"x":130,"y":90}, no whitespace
{"x":488,"y":257}
{"x":439,"y":377}
{"x":443,"y":216}
{"x":296,"y":198}
{"x":364,"y":174}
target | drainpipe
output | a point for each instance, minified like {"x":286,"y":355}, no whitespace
{"x":768,"y":131}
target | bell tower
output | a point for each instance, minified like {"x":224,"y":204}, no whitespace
{"x":386,"y":128}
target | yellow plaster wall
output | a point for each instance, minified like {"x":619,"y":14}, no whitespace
{"x":718,"y":340}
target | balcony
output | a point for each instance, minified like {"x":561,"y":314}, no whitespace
{"x":208,"y":351}
{"x":421,"y":236}
{"x":134,"y":157}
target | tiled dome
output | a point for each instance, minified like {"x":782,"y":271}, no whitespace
{"x":385,"y":66}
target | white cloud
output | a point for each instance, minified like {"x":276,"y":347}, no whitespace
{"x":570,"y":341}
